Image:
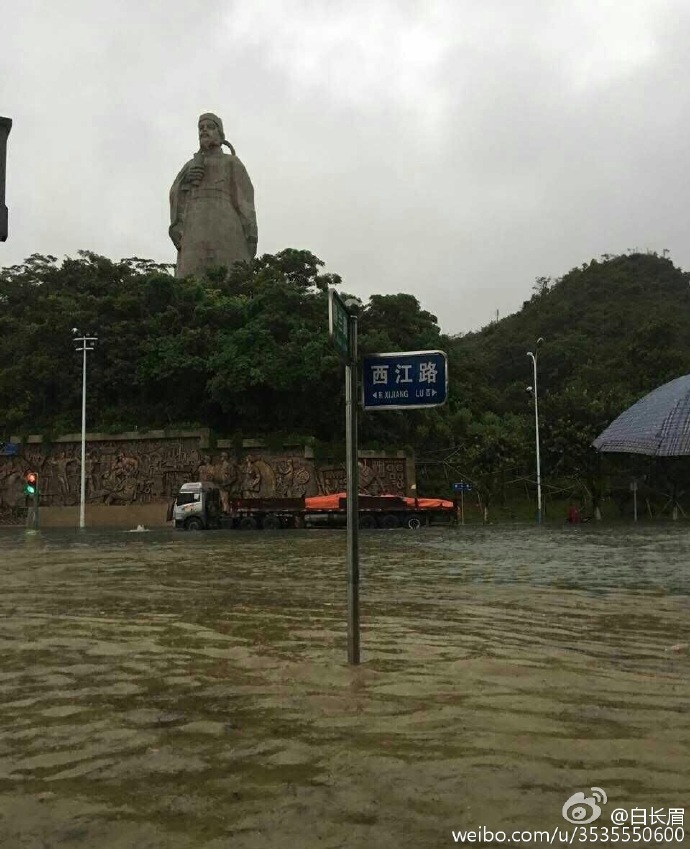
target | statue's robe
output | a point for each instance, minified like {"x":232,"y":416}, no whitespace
{"x":213,"y":223}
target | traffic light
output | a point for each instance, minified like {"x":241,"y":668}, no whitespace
{"x":31,"y":483}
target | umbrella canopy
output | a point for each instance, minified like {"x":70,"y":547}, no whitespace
{"x":658,"y":424}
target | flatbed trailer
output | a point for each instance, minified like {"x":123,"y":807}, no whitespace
{"x":270,"y":514}
{"x":385,"y":511}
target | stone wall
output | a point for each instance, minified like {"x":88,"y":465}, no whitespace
{"x":139,"y":469}
{"x":128,"y":517}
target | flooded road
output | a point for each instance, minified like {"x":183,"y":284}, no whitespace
{"x":175,"y":691}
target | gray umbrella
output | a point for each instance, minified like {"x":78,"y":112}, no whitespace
{"x":658,"y":424}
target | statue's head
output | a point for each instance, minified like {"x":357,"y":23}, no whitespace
{"x":211,"y":132}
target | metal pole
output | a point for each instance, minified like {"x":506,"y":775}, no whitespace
{"x":82,"y":498}
{"x":87,"y":343}
{"x":36,"y":499}
{"x":5,"y":127}
{"x":352,"y":496}
{"x":536,"y":426}
{"x":536,"y":431}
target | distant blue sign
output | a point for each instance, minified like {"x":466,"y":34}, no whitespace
{"x":9,"y":449}
{"x":406,"y":380}
{"x":462,"y":486}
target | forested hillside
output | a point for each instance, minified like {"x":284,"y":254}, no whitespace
{"x":612,"y":331}
{"x":248,"y":354}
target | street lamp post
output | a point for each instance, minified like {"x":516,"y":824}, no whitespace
{"x":533,"y":389}
{"x":83,"y":343}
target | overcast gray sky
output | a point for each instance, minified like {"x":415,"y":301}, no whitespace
{"x":453,"y":149}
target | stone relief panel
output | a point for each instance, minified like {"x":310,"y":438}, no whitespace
{"x":141,"y":471}
{"x":116,"y":472}
{"x":268,"y":476}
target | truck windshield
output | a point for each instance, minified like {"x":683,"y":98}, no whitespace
{"x":188,"y":497}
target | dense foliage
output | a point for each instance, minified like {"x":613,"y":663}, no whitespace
{"x":247,"y":353}
{"x":241,"y":353}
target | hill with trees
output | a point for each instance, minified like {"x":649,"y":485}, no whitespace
{"x":247,"y":353}
{"x":612,"y":330}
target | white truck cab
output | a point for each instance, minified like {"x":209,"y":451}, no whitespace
{"x":197,"y":506}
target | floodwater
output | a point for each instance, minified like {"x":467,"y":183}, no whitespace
{"x":175,"y":691}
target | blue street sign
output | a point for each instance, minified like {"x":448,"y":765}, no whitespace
{"x":9,"y":449}
{"x":462,"y":486}
{"x":406,"y":380}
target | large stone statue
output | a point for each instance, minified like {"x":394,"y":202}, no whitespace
{"x":212,"y":215}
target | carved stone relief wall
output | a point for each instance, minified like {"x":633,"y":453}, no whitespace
{"x":376,"y":476}
{"x":142,"y":470}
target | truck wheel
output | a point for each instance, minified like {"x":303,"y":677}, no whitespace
{"x":272,"y":522}
{"x":413,"y":522}
{"x":390,"y":520}
{"x":194,"y":523}
{"x":367,"y":521}
{"x":248,"y":523}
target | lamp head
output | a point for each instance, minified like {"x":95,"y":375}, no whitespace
{"x":353,"y":304}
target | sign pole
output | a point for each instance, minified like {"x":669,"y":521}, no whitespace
{"x":462,"y":487}
{"x":352,"y":495}
{"x":342,"y":332}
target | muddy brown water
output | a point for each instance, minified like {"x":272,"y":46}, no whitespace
{"x":175,"y":691}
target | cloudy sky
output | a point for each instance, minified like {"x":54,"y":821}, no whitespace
{"x":454,"y":149}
